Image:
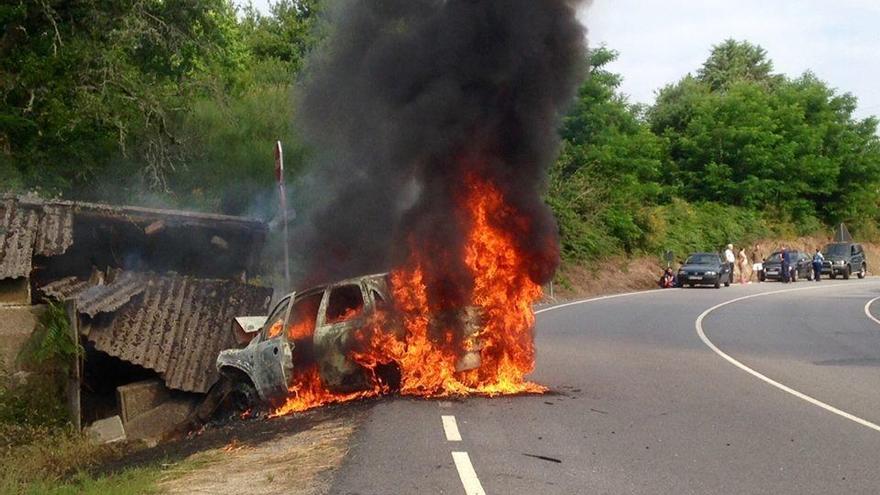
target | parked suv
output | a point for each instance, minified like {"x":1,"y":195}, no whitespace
{"x":844,"y":259}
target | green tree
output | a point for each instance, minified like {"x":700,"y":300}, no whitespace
{"x":609,"y":169}
{"x":791,"y":148}
{"x":733,"y":61}
{"x":83,"y":83}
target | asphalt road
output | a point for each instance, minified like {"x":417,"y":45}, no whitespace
{"x":643,"y":404}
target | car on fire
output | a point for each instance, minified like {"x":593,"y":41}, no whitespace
{"x":316,"y":326}
{"x":705,"y":269}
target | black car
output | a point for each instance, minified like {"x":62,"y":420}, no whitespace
{"x":800,"y":267}
{"x":705,"y":269}
{"x":844,"y":259}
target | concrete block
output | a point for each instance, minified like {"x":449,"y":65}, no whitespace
{"x":139,"y":397}
{"x":156,"y":423}
{"x":107,"y":430}
{"x":17,"y":324}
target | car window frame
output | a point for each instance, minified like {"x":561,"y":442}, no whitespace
{"x":265,"y":330}
{"x":323,"y":321}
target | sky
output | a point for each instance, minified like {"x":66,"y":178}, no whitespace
{"x":661,"y":41}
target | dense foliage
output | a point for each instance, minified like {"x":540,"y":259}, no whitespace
{"x":734,"y":153}
{"x":179,"y":102}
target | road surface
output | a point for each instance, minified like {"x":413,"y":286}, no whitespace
{"x":765,"y":388}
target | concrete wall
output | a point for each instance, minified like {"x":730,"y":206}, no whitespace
{"x":17,"y":323}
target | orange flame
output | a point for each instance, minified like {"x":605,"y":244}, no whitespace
{"x":502,"y":290}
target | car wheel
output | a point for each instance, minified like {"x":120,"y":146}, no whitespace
{"x":810,"y":275}
{"x":241,"y":397}
{"x":691,"y":285}
{"x":863,"y":272}
{"x":761,"y":277}
{"x":832,"y":275}
{"x":847,"y":273}
{"x":718,"y":283}
{"x":794,"y":276}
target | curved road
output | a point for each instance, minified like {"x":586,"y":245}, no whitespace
{"x":643,"y":403}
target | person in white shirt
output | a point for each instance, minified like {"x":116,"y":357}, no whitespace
{"x":730,"y":258}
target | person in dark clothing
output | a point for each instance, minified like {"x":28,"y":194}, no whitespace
{"x":786,"y":265}
{"x":668,"y":281}
{"x":818,"y":260}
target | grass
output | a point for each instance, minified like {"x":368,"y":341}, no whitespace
{"x":62,"y":462}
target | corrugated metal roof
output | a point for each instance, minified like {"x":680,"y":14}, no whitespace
{"x":26,"y":230}
{"x":176,"y":325}
{"x":18,"y":228}
{"x":112,"y":296}
{"x":55,"y":231}
{"x":66,"y":288}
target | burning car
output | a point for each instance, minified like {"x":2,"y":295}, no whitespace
{"x":320,"y":329}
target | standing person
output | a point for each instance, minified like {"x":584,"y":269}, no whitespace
{"x":818,"y":260}
{"x":757,"y":262}
{"x":730,"y":259}
{"x":786,"y":265}
{"x":743,"y":261}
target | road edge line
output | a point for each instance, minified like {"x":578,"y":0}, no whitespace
{"x":602,"y":298}
{"x":816,"y":402}
{"x":868,"y":310}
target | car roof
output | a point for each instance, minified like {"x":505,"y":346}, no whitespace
{"x":348,"y":281}
{"x":703,"y":254}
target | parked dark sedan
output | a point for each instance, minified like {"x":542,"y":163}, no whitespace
{"x":705,"y":269}
{"x":801,"y":267}
{"x":844,"y":259}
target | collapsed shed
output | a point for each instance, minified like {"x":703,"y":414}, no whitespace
{"x":150,"y":293}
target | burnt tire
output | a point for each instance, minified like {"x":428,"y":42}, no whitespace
{"x":241,"y":396}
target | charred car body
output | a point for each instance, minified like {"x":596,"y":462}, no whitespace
{"x":316,"y":327}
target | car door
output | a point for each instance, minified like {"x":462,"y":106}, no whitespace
{"x":858,"y":257}
{"x":343,"y":310}
{"x":272,"y":354}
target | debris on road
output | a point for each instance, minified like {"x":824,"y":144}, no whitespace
{"x":544,"y":458}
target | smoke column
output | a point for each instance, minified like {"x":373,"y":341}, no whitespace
{"x":403,"y":101}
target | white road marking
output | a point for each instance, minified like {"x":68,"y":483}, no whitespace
{"x":780,"y":386}
{"x":602,"y":298}
{"x":451,"y":429}
{"x":467,"y":474}
{"x":868,"y":310}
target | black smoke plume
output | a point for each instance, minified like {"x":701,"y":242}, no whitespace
{"x":404,"y":100}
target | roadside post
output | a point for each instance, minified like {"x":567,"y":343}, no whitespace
{"x":282,"y":197}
